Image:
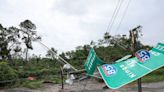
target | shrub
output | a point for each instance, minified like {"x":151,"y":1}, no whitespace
{"x":6,"y":72}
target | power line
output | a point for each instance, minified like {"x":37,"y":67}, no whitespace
{"x":117,"y":9}
{"x":115,"y":13}
{"x":109,"y":24}
{"x":114,"y":16}
{"x":124,"y":14}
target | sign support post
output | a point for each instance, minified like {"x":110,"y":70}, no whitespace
{"x":62,"y":77}
{"x":139,"y":85}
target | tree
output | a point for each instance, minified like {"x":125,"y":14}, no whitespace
{"x":86,"y":49}
{"x":14,"y":41}
{"x":9,"y":42}
{"x":100,"y":42}
{"x":29,"y":35}
{"x":70,"y":54}
{"x":63,"y":55}
{"x":3,"y":43}
{"x":107,"y":38}
{"x":92,"y":43}
{"x":51,"y":53}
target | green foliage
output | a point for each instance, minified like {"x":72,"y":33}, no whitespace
{"x":33,"y":84}
{"x":6,"y":72}
{"x":108,"y":48}
{"x":12,"y":37}
{"x":37,"y":68}
{"x":157,"y":75}
{"x":153,"y":78}
{"x":51,"y":53}
{"x":56,"y":79}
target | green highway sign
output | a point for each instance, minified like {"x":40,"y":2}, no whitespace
{"x":124,"y":72}
{"x":92,"y":62}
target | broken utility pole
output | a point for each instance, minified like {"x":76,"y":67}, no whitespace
{"x":134,"y":36}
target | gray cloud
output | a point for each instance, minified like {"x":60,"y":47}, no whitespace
{"x":72,"y":7}
{"x":65,"y":24}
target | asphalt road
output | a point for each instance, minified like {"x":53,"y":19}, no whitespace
{"x":91,"y":86}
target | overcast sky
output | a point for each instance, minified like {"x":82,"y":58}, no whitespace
{"x":66,"y":24}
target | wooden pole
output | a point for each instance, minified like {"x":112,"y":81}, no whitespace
{"x":133,"y":48}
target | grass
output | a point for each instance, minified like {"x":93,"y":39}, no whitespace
{"x":52,"y":78}
{"x":155,"y":76}
{"x":32,"y":84}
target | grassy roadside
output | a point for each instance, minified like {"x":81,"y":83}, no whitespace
{"x":155,"y":76}
{"x":35,"y":84}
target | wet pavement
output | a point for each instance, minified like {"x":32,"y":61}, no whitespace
{"x":91,"y":86}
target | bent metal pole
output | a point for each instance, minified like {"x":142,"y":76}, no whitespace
{"x":58,"y":56}
{"x":61,"y":59}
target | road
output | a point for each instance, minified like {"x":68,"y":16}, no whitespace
{"x":91,"y":86}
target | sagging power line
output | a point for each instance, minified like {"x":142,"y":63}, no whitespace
{"x":114,"y":15}
{"x":123,"y":16}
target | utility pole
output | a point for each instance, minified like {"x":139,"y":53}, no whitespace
{"x":133,"y":38}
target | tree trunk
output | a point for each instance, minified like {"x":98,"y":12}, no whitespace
{"x":26,"y":55}
{"x":10,"y":60}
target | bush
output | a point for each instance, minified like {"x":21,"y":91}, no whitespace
{"x":6,"y":72}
